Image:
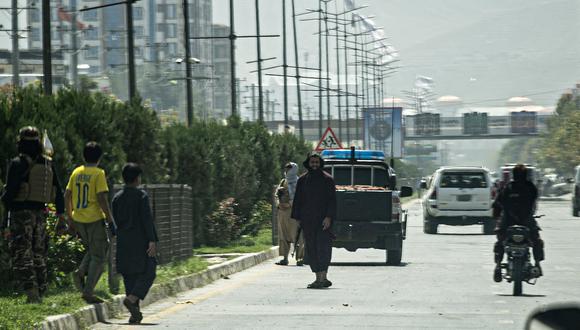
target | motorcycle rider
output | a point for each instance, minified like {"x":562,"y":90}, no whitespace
{"x":516,"y":203}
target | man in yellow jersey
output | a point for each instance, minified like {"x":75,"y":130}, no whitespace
{"x":88,"y":206}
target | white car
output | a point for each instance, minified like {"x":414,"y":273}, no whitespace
{"x":458,"y":196}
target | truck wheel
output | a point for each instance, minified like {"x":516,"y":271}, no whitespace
{"x":429,"y":227}
{"x":394,"y":257}
{"x":489,"y":227}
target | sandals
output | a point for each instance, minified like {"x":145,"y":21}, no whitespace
{"x":283,"y":262}
{"x":320,"y":284}
{"x":316,"y":285}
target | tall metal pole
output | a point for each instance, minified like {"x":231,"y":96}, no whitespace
{"x":327,"y":64}
{"x":233,"y":58}
{"x":267,"y":94}
{"x":259,"y":51}
{"x":285,"y":62}
{"x":297,"y":63}
{"x":254,"y":102}
{"x":15,"y":46}
{"x":188,"y":73}
{"x":74,"y":61}
{"x":338,"y":91}
{"x":46,"y":48}
{"x":130,"y":49}
{"x":320,"y":68}
{"x":347,"y":97}
{"x":356,"y":75}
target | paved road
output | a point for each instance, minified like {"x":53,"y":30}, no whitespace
{"x":445,"y":283}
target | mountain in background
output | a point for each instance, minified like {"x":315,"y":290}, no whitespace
{"x":483,"y":51}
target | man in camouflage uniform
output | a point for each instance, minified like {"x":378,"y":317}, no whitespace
{"x":31,"y":184}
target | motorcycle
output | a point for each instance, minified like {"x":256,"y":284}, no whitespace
{"x":519,"y":268}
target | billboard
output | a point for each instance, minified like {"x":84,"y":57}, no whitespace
{"x":524,"y":122}
{"x":475,"y":123}
{"x":383,"y":130}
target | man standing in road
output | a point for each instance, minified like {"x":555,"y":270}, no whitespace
{"x":31,"y":184}
{"x":288,"y":227}
{"x":87,"y":205}
{"x":315,"y":208}
{"x":517,"y":204}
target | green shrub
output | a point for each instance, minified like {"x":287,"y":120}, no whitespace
{"x":221,"y":222}
{"x":64,"y":254}
{"x":261,"y":217}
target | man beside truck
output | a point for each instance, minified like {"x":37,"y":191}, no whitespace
{"x":315,"y":209}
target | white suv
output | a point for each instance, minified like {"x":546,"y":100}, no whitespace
{"x":458,"y":196}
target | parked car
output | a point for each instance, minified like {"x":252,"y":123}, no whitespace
{"x":576,"y":193}
{"x":458,"y":196}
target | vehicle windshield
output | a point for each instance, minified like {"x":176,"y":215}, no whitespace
{"x":362,"y":176}
{"x":463,"y":180}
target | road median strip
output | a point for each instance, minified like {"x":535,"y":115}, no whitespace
{"x":93,"y":314}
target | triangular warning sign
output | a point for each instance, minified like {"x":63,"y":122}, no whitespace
{"x":328,"y":141}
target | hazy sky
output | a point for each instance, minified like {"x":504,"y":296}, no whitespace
{"x":480,"y":50}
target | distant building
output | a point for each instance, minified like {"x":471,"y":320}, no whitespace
{"x":222,"y":97}
{"x":102,"y":43}
{"x":31,"y":67}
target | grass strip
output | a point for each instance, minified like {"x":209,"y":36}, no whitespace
{"x":248,"y":244}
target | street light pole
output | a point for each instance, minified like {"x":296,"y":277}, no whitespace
{"x":233,"y":58}
{"x":46,"y":48}
{"x":15,"y":46}
{"x":188,"y":74}
{"x":130,"y":49}
{"x":285,"y":62}
{"x":74,"y":43}
{"x":259,"y":52}
{"x":320,"y":68}
{"x":300,"y":119}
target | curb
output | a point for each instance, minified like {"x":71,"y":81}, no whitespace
{"x":92,"y":314}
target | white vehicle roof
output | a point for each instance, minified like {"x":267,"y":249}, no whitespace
{"x":462,"y":168}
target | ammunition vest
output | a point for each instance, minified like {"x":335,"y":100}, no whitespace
{"x":37,"y":182}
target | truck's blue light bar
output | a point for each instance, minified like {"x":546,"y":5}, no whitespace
{"x":358,"y":154}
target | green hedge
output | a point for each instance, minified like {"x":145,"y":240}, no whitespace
{"x":239,"y":160}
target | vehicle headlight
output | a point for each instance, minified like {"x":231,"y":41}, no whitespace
{"x":518,"y":238}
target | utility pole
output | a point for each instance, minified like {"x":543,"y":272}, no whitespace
{"x":297,"y":63}
{"x":46,"y":48}
{"x":267,"y":94}
{"x":130,"y":49}
{"x":188,"y":73}
{"x":285,"y":62}
{"x":320,"y":68}
{"x":233,"y":58}
{"x":15,"y":46}
{"x":74,"y":45}
{"x":356,"y":75}
{"x":338,"y":77}
{"x":329,"y":117}
{"x":259,"y":52}
{"x":254,"y":101}
{"x":348,"y":137}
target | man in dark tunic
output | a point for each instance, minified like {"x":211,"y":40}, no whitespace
{"x":136,"y":240}
{"x":315,"y":208}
